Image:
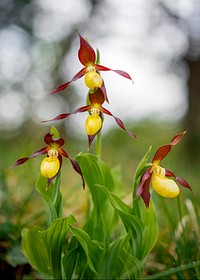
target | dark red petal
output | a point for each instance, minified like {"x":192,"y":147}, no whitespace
{"x":63,"y":153}
{"x":63,"y":116}
{"x":181,"y":181}
{"x":119,"y":122}
{"x":86,"y":53}
{"x":146,"y":176}
{"x":74,"y":163}
{"x":103,"y":88}
{"x":49,"y":139}
{"x":177,"y":138}
{"x":77,"y":168}
{"x":80,"y":74}
{"x":161,"y":153}
{"x":120,"y":72}
{"x":91,"y":138}
{"x":143,"y":188}
{"x":164,"y":150}
{"x":97,"y":97}
{"x":35,"y":154}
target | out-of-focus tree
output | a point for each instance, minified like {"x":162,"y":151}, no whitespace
{"x":191,"y":25}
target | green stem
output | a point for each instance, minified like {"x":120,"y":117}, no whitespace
{"x":180,"y":212}
{"x":98,"y":144}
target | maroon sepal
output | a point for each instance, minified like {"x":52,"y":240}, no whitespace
{"x":86,"y":53}
{"x":181,"y":181}
{"x":63,"y":116}
{"x":80,"y":74}
{"x":119,"y":122}
{"x":164,"y":150}
{"x":91,"y":138}
{"x":103,"y":89}
{"x":35,"y":154}
{"x":143,"y":188}
{"x":74,"y":163}
{"x":120,"y":72}
{"x":48,"y":139}
{"x":97,"y":97}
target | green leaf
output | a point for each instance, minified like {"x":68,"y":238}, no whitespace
{"x":117,"y":263}
{"x":132,"y":267}
{"x":54,"y":238}
{"x":150,"y":233}
{"x":35,"y":251}
{"x":101,"y":215}
{"x":43,"y":249}
{"x":70,"y":258}
{"x":51,"y":196}
{"x":107,"y":264}
{"x":132,"y":223}
{"x":55,"y":132}
{"x":91,"y":248}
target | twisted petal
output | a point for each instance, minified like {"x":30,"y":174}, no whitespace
{"x":143,"y":188}
{"x":86,"y":53}
{"x":164,"y":150}
{"x":103,"y":89}
{"x":74,"y":164}
{"x":181,"y":181}
{"x":63,"y":116}
{"x":80,"y":74}
{"x":120,"y":72}
{"x":35,"y":154}
{"x":119,"y":122}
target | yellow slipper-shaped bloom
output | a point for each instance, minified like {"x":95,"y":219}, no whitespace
{"x":93,"y":124}
{"x":49,"y":167}
{"x":164,"y":186}
{"x":93,"y":80}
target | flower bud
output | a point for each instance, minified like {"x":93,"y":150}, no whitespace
{"x":49,"y":167}
{"x":164,"y":186}
{"x":93,"y":80}
{"x":93,"y":124}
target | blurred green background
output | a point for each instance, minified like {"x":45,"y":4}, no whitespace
{"x":158,"y":43}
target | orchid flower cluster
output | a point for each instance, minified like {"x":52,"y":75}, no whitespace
{"x":97,"y":95}
{"x":96,"y":251}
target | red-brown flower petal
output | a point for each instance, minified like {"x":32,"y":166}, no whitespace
{"x":119,"y":122}
{"x":143,"y":188}
{"x":86,"y":53}
{"x":181,"y":181}
{"x":164,"y":150}
{"x":103,"y":88}
{"x":35,"y":154}
{"x":120,"y":72}
{"x":97,"y":97}
{"x":80,"y":74}
{"x":74,"y":164}
{"x":63,"y":116}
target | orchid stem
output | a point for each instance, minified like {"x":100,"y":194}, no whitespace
{"x":98,"y":144}
{"x":180,"y":212}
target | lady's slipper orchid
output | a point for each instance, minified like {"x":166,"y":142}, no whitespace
{"x":51,"y":165}
{"x":94,"y":121}
{"x":87,"y":57}
{"x":158,"y":176}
